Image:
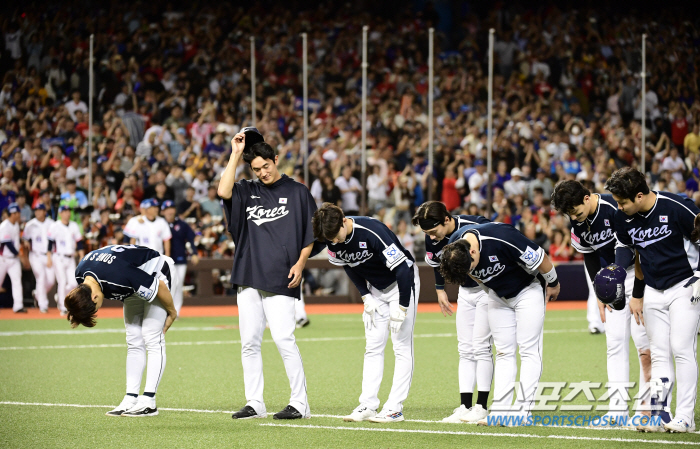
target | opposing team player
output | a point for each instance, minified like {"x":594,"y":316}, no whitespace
{"x":593,"y":234}
{"x":664,"y":229}
{"x":149,"y":229}
{"x":507,"y":263}
{"x":473,"y":332}
{"x":140,"y":278}
{"x":181,"y":244}
{"x":9,"y":260}
{"x":36,"y":236}
{"x":65,"y":239}
{"x":387,"y":277}
{"x":270,"y":222}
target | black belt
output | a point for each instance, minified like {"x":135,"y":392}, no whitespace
{"x":67,"y":255}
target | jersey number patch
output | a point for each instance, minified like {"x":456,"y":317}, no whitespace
{"x":121,"y":248}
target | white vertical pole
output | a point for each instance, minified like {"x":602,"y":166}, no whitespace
{"x":305,"y":104}
{"x":90,"y":95}
{"x":253,"y":104}
{"x":644,"y":102}
{"x":363,"y":202}
{"x":431,"y":94}
{"x":489,"y":131}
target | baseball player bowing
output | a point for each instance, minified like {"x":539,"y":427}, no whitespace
{"x":140,"y":278}
{"x":270,"y":222}
{"x":36,"y":236}
{"x":149,"y":229}
{"x":593,"y":234}
{"x":64,"y":239}
{"x":664,"y":229}
{"x":507,"y":263}
{"x":473,"y":332}
{"x":387,"y":277}
{"x":9,"y":260}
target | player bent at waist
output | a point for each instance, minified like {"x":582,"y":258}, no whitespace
{"x":141,"y":278}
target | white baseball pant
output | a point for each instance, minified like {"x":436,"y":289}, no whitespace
{"x":474,"y":340}
{"x":64,"y":268}
{"x":11,"y":266}
{"x":619,"y":326}
{"x":672,"y":323}
{"x":592,"y":311}
{"x":45,"y":278}
{"x":144,"y":323}
{"x":517,"y":324}
{"x":300,"y":305}
{"x":377,"y":337}
{"x":178,"y":284}
{"x":254,"y":308}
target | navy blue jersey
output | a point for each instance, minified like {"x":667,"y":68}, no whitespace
{"x":182,"y":234}
{"x":373,"y":254}
{"x":508,"y":260}
{"x":433,"y":249}
{"x":123,"y":271}
{"x":270,"y":225}
{"x":597,"y":234}
{"x":662,"y":237}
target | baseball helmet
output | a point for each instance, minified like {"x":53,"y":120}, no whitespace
{"x":609,"y":285}
{"x":252,"y":136}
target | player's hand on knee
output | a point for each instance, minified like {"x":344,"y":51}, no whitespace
{"x":695,"y":283}
{"x":371,"y":306}
{"x":636,"y":309}
{"x":445,"y":306}
{"x":397,"y":315}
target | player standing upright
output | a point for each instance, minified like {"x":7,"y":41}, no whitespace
{"x":149,"y":229}
{"x":473,"y":332}
{"x":664,"y":229}
{"x":65,"y":239}
{"x":593,"y":234}
{"x":387,"y":277}
{"x":182,"y":236}
{"x":507,"y":263}
{"x":270,"y":222}
{"x":9,"y":260}
{"x":141,"y":279}
{"x":36,"y":236}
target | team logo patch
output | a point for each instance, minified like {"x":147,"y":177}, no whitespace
{"x":331,"y":253}
{"x":393,"y":255}
{"x":493,"y":259}
{"x":177,"y":227}
{"x":663,"y":218}
{"x":283,"y":200}
{"x":607,"y":222}
{"x":429,"y":255}
{"x":252,"y":197}
{"x":530,"y":257}
{"x":363,"y":245}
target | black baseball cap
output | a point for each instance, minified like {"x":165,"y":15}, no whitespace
{"x":252,"y":136}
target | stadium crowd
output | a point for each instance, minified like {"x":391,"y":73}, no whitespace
{"x":172,"y":86}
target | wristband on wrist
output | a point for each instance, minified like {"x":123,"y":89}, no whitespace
{"x":638,"y":289}
{"x":551,"y":277}
{"x":439,"y":287}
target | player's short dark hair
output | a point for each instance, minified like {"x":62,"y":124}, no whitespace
{"x":430,"y":211}
{"x":327,"y":221}
{"x":456,"y":262}
{"x":262,"y":149}
{"x":626,"y":183}
{"x":567,"y":195}
{"x":81,"y":308}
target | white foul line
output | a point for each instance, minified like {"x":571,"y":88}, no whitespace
{"x":237,"y":342}
{"x":107,"y":331}
{"x":485,"y":434}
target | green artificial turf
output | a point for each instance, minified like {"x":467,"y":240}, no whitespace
{"x":50,"y":374}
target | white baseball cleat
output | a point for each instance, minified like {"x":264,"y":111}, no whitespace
{"x":361,"y":413}
{"x":679,"y":425}
{"x":457,"y":414}
{"x":127,"y":403}
{"x":476,"y":414}
{"x":145,"y":406}
{"x":386,"y":416}
{"x":645,"y":425}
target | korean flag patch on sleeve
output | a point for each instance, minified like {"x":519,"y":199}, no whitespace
{"x":394,"y":256}
{"x":532,"y":258}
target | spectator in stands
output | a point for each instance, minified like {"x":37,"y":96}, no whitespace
{"x":212,"y":204}
{"x":350,"y":189}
